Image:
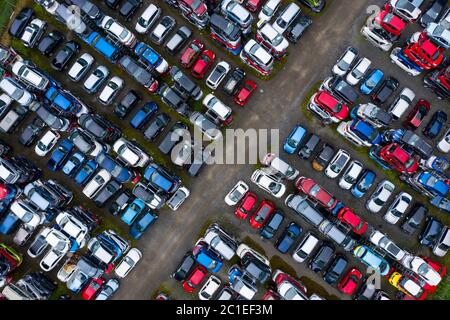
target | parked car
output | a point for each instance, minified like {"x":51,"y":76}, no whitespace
{"x":268,"y":183}
{"x":398,"y":208}
{"x":162,"y":29}
{"x":358,"y":71}
{"x":298,"y":28}
{"x":64,"y":55}
{"x":417,"y":115}
{"x":306,"y":247}
{"x":345,"y":61}
{"x":80,"y":67}
{"x":289,"y":236}
{"x":272,"y":225}
{"x":20,"y":22}
{"x":337,"y":164}
{"x":323,"y":157}
{"x":434,"y":127}
{"x":350,"y":282}
{"x":414,"y":218}
{"x":177,"y":41}
{"x":49,"y":42}
{"x":96,"y":79}
{"x":335,"y":270}
{"x":128,"y":263}
{"x":148,"y":18}
{"x":262,"y":214}
{"x":295,"y":138}
{"x":385,"y":91}
{"x":110,"y":90}
{"x":123,"y":108}
{"x":322,"y":258}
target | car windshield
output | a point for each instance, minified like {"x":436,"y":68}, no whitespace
{"x":196,"y":4}
{"x":267,"y":11}
{"x":315,"y":190}
{"x":423,"y":269}
{"x":262,"y":214}
{"x":274,"y":187}
{"x":277,"y":40}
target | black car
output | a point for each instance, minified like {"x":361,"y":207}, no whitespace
{"x":31,"y":132}
{"x":315,"y":6}
{"x":184,"y":85}
{"x":366,"y":291}
{"x":199,"y":160}
{"x":174,"y":136}
{"x":233,"y":83}
{"x":129,"y":7}
{"x":38,"y":285}
{"x":89,"y":219}
{"x":49,"y":42}
{"x":139,"y":74}
{"x":123,"y":108}
{"x":418,"y":144}
{"x":62,"y":57}
{"x":429,"y":234}
{"x":434,"y":127}
{"x":88,"y":8}
{"x":157,"y":126}
{"x":385,"y":91}
{"x":323,"y":158}
{"x":99,"y":127}
{"x":5,"y":149}
{"x":414,"y":218}
{"x":107,"y":192}
{"x":433,"y":13}
{"x":174,"y":100}
{"x":338,"y":86}
{"x":184,"y":267}
{"x":20,"y":22}
{"x":255,"y":268}
{"x":297,"y":28}
{"x":272,"y":226}
{"x":322,"y":258}
{"x":113,"y":4}
{"x":121,"y":202}
{"x":308,"y":148}
{"x":335,"y":270}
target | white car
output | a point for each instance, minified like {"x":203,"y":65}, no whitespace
{"x":268,"y":183}
{"x":445,"y":20}
{"x":217,"y":109}
{"x":73,"y":227}
{"x":111,"y":89}
{"x":350,"y":175}
{"x":209,"y":288}
{"x":402,"y":103}
{"x":236,"y":193}
{"x":217,"y":75}
{"x":33,"y":32}
{"x":115,"y":29}
{"x":16,"y":92}
{"x":46,"y":143}
{"x":96,"y":79}
{"x":27,"y":213}
{"x":243,"y":249}
{"x":345,"y":61}
{"x":422,"y":269}
{"x":408,"y":68}
{"x":130,"y":153}
{"x":5,"y":102}
{"x":398,"y":208}
{"x":128,"y":263}
{"x":257,"y":57}
{"x":408,"y":10}
{"x":376,"y":37}
{"x":60,"y":245}
{"x":358,"y":71}
{"x":80,"y":67}
{"x":147,"y":19}
{"x":381,"y":195}
{"x":286,"y":17}
{"x":178,"y":198}
{"x":94,"y":185}
{"x":268,"y":10}
{"x":272,"y":39}
{"x":444,"y":144}
{"x":382,"y":241}
{"x":439,"y":34}
{"x":30,"y":75}
{"x":337,"y":164}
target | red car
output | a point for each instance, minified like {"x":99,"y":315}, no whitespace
{"x":331,"y":105}
{"x":316,"y":192}
{"x":245,"y":92}
{"x":399,"y":159}
{"x":262,"y":214}
{"x":425,"y":53}
{"x":417,"y":114}
{"x":191,"y":53}
{"x":93,"y":288}
{"x":203,"y":64}
{"x":288,"y":287}
{"x":271,"y":295}
{"x":346,"y":215}
{"x":441,"y":269}
{"x":247,"y":205}
{"x":194,"y":279}
{"x":350,"y":282}
{"x":254,"y":5}
{"x":390,"y":22}
{"x":196,"y":7}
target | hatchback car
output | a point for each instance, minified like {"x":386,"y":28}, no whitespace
{"x":316,"y":193}
{"x":294,"y":139}
{"x":398,"y":208}
{"x":434,"y":127}
{"x":345,"y":61}
{"x":372,"y":81}
{"x":289,"y":236}
{"x":63,"y":56}
{"x":335,"y":270}
{"x":96,"y":79}
{"x":177,"y":41}
{"x":162,"y":29}
{"x":48,"y":43}
{"x":417,"y":115}
{"x":385,"y":91}
{"x":262,"y":214}
{"x":217,"y":75}
{"x":323,"y":157}
{"x":33,"y":32}
{"x":381,"y":195}
{"x":203,"y":64}
{"x":322,"y":258}
{"x":337,"y":164}
{"x":247,"y":205}
{"x":80,"y":67}
{"x":350,"y":282}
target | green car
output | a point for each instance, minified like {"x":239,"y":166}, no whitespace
{"x":315,"y":5}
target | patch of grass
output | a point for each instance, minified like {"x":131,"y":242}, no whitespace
{"x":163,"y":288}
{"x":6,"y":9}
{"x":443,"y":290}
{"x":276,"y":262}
{"x":61,"y":289}
{"x":254,"y":245}
{"x":313,"y":287}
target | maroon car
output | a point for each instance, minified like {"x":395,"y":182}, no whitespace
{"x":417,"y":114}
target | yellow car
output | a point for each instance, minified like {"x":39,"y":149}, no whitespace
{"x":7,"y":250}
{"x":407,"y":285}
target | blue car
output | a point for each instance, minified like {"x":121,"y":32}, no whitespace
{"x":289,"y":236}
{"x":433,"y":183}
{"x":365,"y":134}
{"x":208,"y":258}
{"x":132,"y":211}
{"x":364,"y":183}
{"x":372,"y":81}
{"x":294,"y":139}
{"x":150,"y":57}
{"x":141,"y":224}
{"x":9,"y":223}
{"x":161,"y":179}
{"x":435,"y":125}
{"x":143,"y":115}
{"x":234,"y":273}
{"x":103,"y":46}
{"x":441,"y":203}
{"x":272,"y":226}
{"x":86,"y":172}
{"x":62,"y":100}
{"x":118,"y":171}
{"x":73,"y":164}
{"x":60,"y":155}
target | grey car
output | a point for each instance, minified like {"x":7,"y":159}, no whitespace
{"x":174,"y":136}
{"x":107,"y":192}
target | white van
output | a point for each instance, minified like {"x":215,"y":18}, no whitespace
{"x":13,"y":292}
{"x":306,"y":247}
{"x":30,"y":75}
{"x":281,"y":168}
{"x":15,"y":91}
{"x":402,"y":103}
{"x":286,"y":17}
